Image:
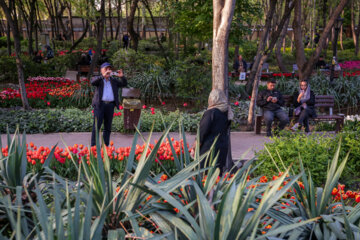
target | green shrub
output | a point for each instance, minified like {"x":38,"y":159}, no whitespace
{"x":133,"y":62}
{"x":53,"y":68}
{"x":248,"y":50}
{"x":3,"y":41}
{"x":316,"y":152}
{"x":76,"y":120}
{"x":150,"y":44}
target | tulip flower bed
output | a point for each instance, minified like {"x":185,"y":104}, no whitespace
{"x":43,"y":92}
{"x":143,"y":202}
{"x":63,"y":165}
{"x":350,"y":65}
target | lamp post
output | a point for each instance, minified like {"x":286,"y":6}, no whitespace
{"x":337,"y":25}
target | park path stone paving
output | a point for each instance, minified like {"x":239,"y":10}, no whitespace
{"x":243,"y":144}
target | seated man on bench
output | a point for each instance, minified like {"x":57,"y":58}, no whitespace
{"x":271,"y":101}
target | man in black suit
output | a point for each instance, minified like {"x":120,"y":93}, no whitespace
{"x":106,"y":97}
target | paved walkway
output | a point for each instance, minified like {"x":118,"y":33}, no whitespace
{"x":243,"y":144}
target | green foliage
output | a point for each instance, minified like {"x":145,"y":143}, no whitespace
{"x":8,"y":71}
{"x":44,"y":121}
{"x":155,"y":82}
{"x":3,"y":41}
{"x":149,"y":45}
{"x":76,"y":120}
{"x":185,"y":78}
{"x":134,"y":63}
{"x":315,"y":150}
{"x":193,"y":78}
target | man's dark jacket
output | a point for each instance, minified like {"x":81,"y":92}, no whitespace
{"x":270,"y":106}
{"x":98,"y":82}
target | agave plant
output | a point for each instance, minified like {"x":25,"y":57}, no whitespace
{"x":335,"y":220}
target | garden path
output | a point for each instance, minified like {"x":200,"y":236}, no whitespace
{"x":243,"y":144}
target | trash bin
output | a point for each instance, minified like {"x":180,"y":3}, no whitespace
{"x":132,"y":107}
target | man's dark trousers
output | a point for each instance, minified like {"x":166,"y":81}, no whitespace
{"x":103,"y":113}
{"x":269,"y":118}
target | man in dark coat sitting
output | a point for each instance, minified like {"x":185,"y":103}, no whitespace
{"x":271,"y":101}
{"x":106,"y":97}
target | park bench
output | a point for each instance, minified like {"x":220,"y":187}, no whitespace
{"x":85,"y":69}
{"x":322,"y":103}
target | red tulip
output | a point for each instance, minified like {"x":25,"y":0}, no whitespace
{"x":185,"y":104}
{"x":236,"y":103}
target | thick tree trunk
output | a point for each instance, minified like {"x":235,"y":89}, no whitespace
{"x":299,"y":46}
{"x":278,"y":55}
{"x":223,"y":13}
{"x":12,"y":20}
{"x":100,"y":35}
{"x":306,"y":67}
{"x":130,"y":25}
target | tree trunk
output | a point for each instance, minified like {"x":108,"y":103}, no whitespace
{"x":31,"y":24}
{"x":299,"y":46}
{"x":146,"y":3}
{"x":306,"y":67}
{"x":352,"y":22}
{"x":262,"y":45}
{"x":36,"y":38}
{"x":100,"y":35}
{"x":324,"y":13}
{"x":278,"y":55}
{"x":223,"y":13}
{"x":138,"y":23}
{"x":357,"y":32}
{"x":143,"y":22}
{"x":13,"y":21}
{"x":341,"y":38}
{"x":71,"y":24}
{"x":130,"y":25}
{"x":19,"y":20}
{"x":118,"y":11}
{"x":110,"y":22}
{"x":256,"y":69}
{"x":81,"y":37}
{"x":8,"y":38}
